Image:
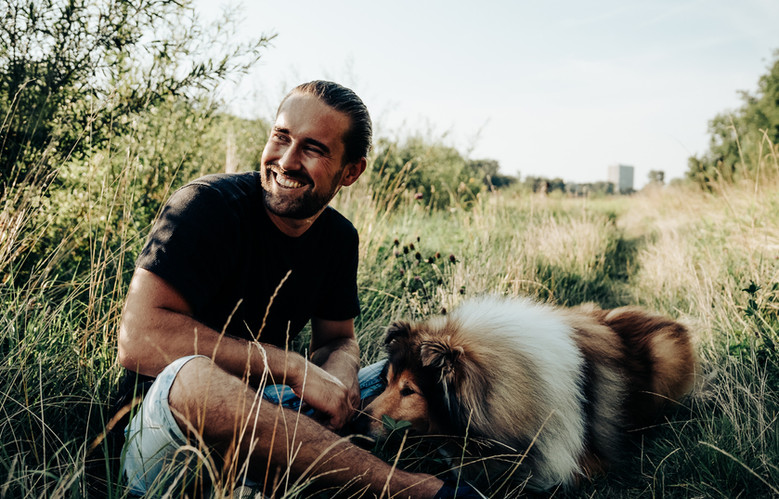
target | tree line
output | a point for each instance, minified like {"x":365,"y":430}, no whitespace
{"x":744,"y":143}
{"x":92,"y":104}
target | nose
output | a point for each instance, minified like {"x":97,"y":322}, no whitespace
{"x":290,"y":158}
{"x":360,"y":424}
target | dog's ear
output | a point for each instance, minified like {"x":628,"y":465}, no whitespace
{"x":397,"y":331}
{"x":446,"y":360}
{"x":442,"y":356}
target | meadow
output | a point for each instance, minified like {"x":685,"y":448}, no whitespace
{"x":101,"y":122}
{"x":710,"y":259}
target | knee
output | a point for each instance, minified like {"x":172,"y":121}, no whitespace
{"x":183,"y":396}
{"x":198,"y":383}
{"x":206,"y":400}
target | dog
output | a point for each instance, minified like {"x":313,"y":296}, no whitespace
{"x":562,"y":387}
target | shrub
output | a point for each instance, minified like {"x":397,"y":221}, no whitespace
{"x":744,"y":143}
{"x":71,"y":70}
{"x":435,"y":175}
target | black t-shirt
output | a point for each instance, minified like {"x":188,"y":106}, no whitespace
{"x":215,"y":244}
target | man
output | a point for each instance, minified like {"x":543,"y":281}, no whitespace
{"x":235,"y":266}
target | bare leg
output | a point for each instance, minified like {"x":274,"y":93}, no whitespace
{"x":281,"y":447}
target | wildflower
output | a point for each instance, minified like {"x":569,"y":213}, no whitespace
{"x":452,"y":258}
{"x":418,"y":255}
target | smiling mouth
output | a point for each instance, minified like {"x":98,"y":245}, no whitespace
{"x":288,"y":182}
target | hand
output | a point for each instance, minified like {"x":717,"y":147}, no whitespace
{"x":326,"y":394}
{"x":355,"y":399}
{"x":347,"y":375}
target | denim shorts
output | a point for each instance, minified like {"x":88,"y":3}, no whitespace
{"x":156,"y":453}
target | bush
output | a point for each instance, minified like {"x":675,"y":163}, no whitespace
{"x":436,"y":175}
{"x":103,"y":121}
{"x":73,"y":73}
{"x":744,"y":143}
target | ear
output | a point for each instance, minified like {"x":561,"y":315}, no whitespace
{"x":442,"y":356}
{"x":397,"y":331}
{"x":447,"y":361}
{"x":352,"y":172}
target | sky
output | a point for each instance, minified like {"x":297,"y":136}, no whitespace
{"x":555,"y":88}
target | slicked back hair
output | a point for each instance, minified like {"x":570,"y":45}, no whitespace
{"x":357,"y":139}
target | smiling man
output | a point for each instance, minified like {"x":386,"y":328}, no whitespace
{"x":234,"y":267}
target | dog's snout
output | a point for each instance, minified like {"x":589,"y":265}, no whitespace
{"x":360,"y":424}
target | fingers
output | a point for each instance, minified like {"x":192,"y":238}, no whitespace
{"x":328,"y":396}
{"x":343,"y":412}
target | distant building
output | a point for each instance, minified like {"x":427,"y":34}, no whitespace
{"x":622,"y":178}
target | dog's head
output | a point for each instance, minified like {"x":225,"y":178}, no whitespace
{"x":426,"y":373}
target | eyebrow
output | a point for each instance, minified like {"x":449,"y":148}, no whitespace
{"x":306,"y":140}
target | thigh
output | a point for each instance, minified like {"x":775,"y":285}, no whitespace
{"x":153,"y":439}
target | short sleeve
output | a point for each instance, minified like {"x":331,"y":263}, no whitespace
{"x":340,"y":300}
{"x":191,"y":243}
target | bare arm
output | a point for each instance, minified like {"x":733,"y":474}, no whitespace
{"x":334,"y":348}
{"x":157,"y":327}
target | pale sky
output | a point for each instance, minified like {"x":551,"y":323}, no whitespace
{"x":558,"y":88}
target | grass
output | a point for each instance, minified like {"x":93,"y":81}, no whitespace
{"x":708,"y":259}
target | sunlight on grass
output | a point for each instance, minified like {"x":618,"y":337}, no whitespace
{"x":708,"y":259}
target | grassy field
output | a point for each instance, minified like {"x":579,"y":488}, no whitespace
{"x":709,"y":259}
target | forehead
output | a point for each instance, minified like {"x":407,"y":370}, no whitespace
{"x":401,"y":376}
{"x":306,"y":116}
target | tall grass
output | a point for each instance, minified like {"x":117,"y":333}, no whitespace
{"x":708,"y":259}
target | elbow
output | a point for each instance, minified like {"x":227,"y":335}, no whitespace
{"x":126,"y":354}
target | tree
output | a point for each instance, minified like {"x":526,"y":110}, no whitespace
{"x":656,"y":177}
{"x":107,"y":106}
{"x":435,"y":174}
{"x":545,"y":185}
{"x":488,"y":170}
{"x":742,"y":140}
{"x":69,"y":68}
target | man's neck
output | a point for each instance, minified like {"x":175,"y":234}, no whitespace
{"x":293,"y":227}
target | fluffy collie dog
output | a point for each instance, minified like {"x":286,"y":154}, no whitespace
{"x":562,"y":387}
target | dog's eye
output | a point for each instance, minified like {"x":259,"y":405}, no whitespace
{"x":406,"y":391}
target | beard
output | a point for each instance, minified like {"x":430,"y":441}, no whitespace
{"x":296,"y":205}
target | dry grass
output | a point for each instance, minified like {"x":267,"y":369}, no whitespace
{"x":710,"y":259}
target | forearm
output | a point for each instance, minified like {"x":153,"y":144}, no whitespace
{"x":340,"y":357}
{"x":149,"y":342}
{"x":158,"y":327}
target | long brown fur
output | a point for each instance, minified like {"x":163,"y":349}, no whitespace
{"x":563,"y":387}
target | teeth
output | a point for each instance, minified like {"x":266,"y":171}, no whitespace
{"x":288,"y":182}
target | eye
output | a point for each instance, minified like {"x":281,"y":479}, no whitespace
{"x":406,"y":391}
{"x":313,"y":150}
{"x":279,"y":137}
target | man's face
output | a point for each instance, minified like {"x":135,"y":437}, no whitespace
{"x":301,"y":167}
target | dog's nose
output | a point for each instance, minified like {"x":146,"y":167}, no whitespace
{"x":359,"y":427}
{"x":360,"y":424}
